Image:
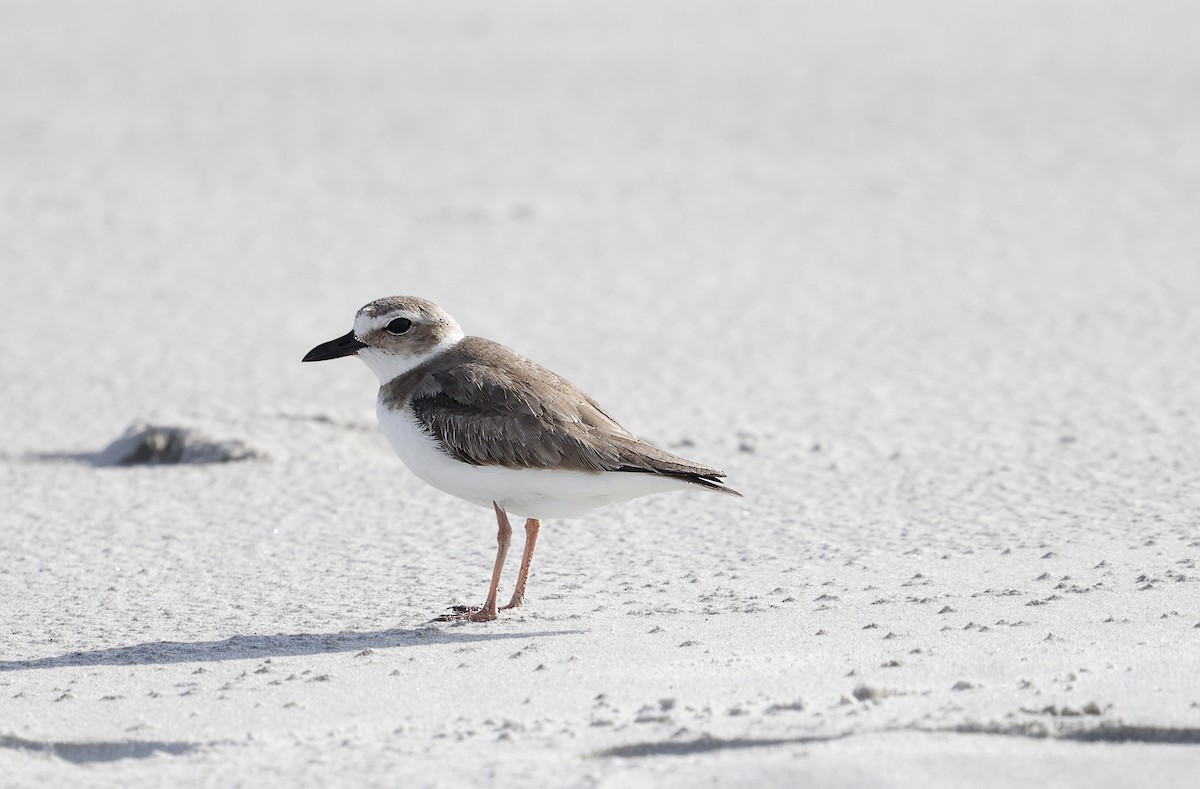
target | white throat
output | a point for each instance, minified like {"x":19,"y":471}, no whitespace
{"x":388,"y":366}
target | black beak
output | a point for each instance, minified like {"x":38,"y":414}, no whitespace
{"x":346,"y":345}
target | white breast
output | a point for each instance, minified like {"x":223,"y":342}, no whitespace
{"x":530,"y":493}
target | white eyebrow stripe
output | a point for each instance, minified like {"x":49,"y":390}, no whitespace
{"x":366,"y":323}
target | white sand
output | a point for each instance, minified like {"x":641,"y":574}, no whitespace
{"x":922,"y":277}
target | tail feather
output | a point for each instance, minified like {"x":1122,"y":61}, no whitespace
{"x":707,"y":481}
{"x":639,"y":457}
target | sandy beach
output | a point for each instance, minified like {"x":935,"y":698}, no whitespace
{"x":922,"y":279}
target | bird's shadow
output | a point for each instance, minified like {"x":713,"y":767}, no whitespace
{"x":268,"y":646}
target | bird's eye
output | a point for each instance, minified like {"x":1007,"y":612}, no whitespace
{"x":399,"y":326}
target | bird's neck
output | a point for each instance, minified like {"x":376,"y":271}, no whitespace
{"x":390,"y":366}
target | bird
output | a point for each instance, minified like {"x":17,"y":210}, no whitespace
{"x":481,"y":422}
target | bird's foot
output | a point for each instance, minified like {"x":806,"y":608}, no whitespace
{"x":515,"y":602}
{"x":467,"y":613}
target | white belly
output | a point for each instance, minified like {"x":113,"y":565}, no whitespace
{"x":530,"y":493}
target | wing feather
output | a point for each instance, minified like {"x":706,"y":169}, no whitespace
{"x":499,"y":408}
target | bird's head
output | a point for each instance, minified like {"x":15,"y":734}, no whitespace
{"x":393,"y":336}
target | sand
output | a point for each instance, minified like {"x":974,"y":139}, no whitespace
{"x":921,"y":278}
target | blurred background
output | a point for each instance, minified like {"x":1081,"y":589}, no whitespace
{"x":931,"y":231}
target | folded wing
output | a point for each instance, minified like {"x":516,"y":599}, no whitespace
{"x":503,"y":409}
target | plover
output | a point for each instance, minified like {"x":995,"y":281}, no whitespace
{"x":483,"y":423}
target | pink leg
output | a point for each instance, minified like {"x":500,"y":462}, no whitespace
{"x":531,"y":533}
{"x":488,"y":612}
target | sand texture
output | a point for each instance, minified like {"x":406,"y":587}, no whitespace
{"x":923,"y":278}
